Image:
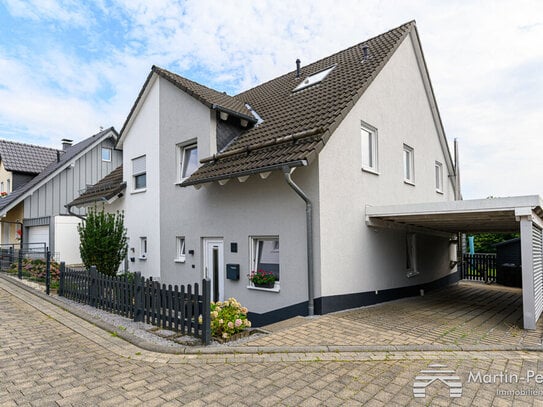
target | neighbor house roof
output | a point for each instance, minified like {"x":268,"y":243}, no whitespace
{"x":297,"y":124}
{"x":106,"y":189}
{"x":26,"y":158}
{"x":52,"y":169}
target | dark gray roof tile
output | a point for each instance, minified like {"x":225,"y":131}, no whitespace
{"x":26,"y":158}
{"x":285,"y":112}
{"x":105,"y":189}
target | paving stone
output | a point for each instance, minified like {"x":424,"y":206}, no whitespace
{"x":70,"y":368}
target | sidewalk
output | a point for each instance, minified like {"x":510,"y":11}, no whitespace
{"x":463,"y":317}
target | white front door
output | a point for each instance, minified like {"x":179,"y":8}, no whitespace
{"x":214,"y":267}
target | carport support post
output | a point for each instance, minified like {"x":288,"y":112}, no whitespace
{"x":526,"y":253}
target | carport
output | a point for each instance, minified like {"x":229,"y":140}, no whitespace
{"x":513,"y":214}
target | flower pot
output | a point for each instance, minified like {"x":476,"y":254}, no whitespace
{"x":264,"y":285}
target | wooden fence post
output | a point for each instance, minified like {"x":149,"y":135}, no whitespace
{"x":206,"y":311}
{"x":48,"y":273}
{"x":61,"y":279}
{"x":138,"y":297}
{"x":91,"y":294}
{"x":20,"y":265}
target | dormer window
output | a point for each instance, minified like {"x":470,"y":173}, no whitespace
{"x":314,"y":79}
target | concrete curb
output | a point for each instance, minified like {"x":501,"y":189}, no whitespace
{"x":201,"y":350}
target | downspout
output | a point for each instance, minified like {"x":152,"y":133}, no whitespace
{"x":69,"y":208}
{"x":309,"y":237}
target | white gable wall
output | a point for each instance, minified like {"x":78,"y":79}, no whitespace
{"x":356,"y":258}
{"x":142,"y":209}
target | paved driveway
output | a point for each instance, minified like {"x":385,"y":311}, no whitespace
{"x":50,"y":357}
{"x":466,"y":314}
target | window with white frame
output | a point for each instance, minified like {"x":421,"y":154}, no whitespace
{"x":188,"y":160}
{"x":439,"y":176}
{"x":9,"y":186}
{"x":2,"y":186}
{"x":411,"y":255}
{"x":106,"y":154}
{"x":143,"y":247}
{"x":139,"y":173}
{"x":265,"y":255}
{"x":180,"y":249}
{"x":408,"y":164}
{"x":369,"y":147}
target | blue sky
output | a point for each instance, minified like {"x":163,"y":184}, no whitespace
{"x":69,"y":67}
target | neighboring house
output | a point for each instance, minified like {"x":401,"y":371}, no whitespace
{"x":358,"y":128}
{"x":46,"y":220}
{"x":19,"y":163}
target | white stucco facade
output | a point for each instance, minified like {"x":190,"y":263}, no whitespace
{"x":350,"y":258}
{"x":397,"y":105}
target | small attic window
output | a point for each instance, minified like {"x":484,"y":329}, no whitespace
{"x":314,"y":79}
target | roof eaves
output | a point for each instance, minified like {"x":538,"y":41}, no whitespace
{"x":280,"y":166}
{"x":251,"y":119}
{"x":112,"y":193}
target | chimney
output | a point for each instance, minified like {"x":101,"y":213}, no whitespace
{"x":298,"y":67}
{"x":66,"y":143}
{"x":365,"y":53}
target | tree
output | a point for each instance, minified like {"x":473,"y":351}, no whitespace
{"x":103,"y":240}
{"x":484,"y":242}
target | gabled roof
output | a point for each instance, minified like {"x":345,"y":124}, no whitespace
{"x":211,"y":98}
{"x":71,"y":154}
{"x":297,"y":124}
{"x":104,"y":190}
{"x":26,"y":158}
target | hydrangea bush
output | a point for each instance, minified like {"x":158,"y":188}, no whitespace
{"x":228,"y":318}
{"x":36,"y":269}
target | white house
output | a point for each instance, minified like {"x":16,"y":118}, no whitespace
{"x":279,"y":178}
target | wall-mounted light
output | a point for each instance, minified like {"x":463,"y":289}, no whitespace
{"x":191,"y":252}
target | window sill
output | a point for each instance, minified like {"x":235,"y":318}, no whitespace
{"x":405,"y":181}
{"x":275,"y":289}
{"x":371,"y":170}
{"x":179,"y":260}
{"x":138,"y":191}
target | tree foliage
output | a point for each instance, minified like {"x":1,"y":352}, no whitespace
{"x":484,"y":242}
{"x":103,"y":240}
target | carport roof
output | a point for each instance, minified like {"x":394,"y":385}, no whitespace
{"x":477,"y":215}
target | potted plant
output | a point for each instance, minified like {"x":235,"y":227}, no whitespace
{"x":262,"y":278}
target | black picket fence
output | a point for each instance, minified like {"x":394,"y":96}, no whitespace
{"x":479,"y":267}
{"x":184,"y":309}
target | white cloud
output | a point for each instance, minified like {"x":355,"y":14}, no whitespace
{"x":65,"y":11}
{"x":484,"y":60}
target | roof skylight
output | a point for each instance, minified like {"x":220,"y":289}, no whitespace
{"x":314,"y":79}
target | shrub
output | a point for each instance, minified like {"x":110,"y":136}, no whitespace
{"x":103,"y":241}
{"x":36,"y":269}
{"x":228,"y":318}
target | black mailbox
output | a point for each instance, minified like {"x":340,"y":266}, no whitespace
{"x":232,"y":271}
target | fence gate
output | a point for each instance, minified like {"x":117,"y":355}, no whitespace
{"x":479,"y":267}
